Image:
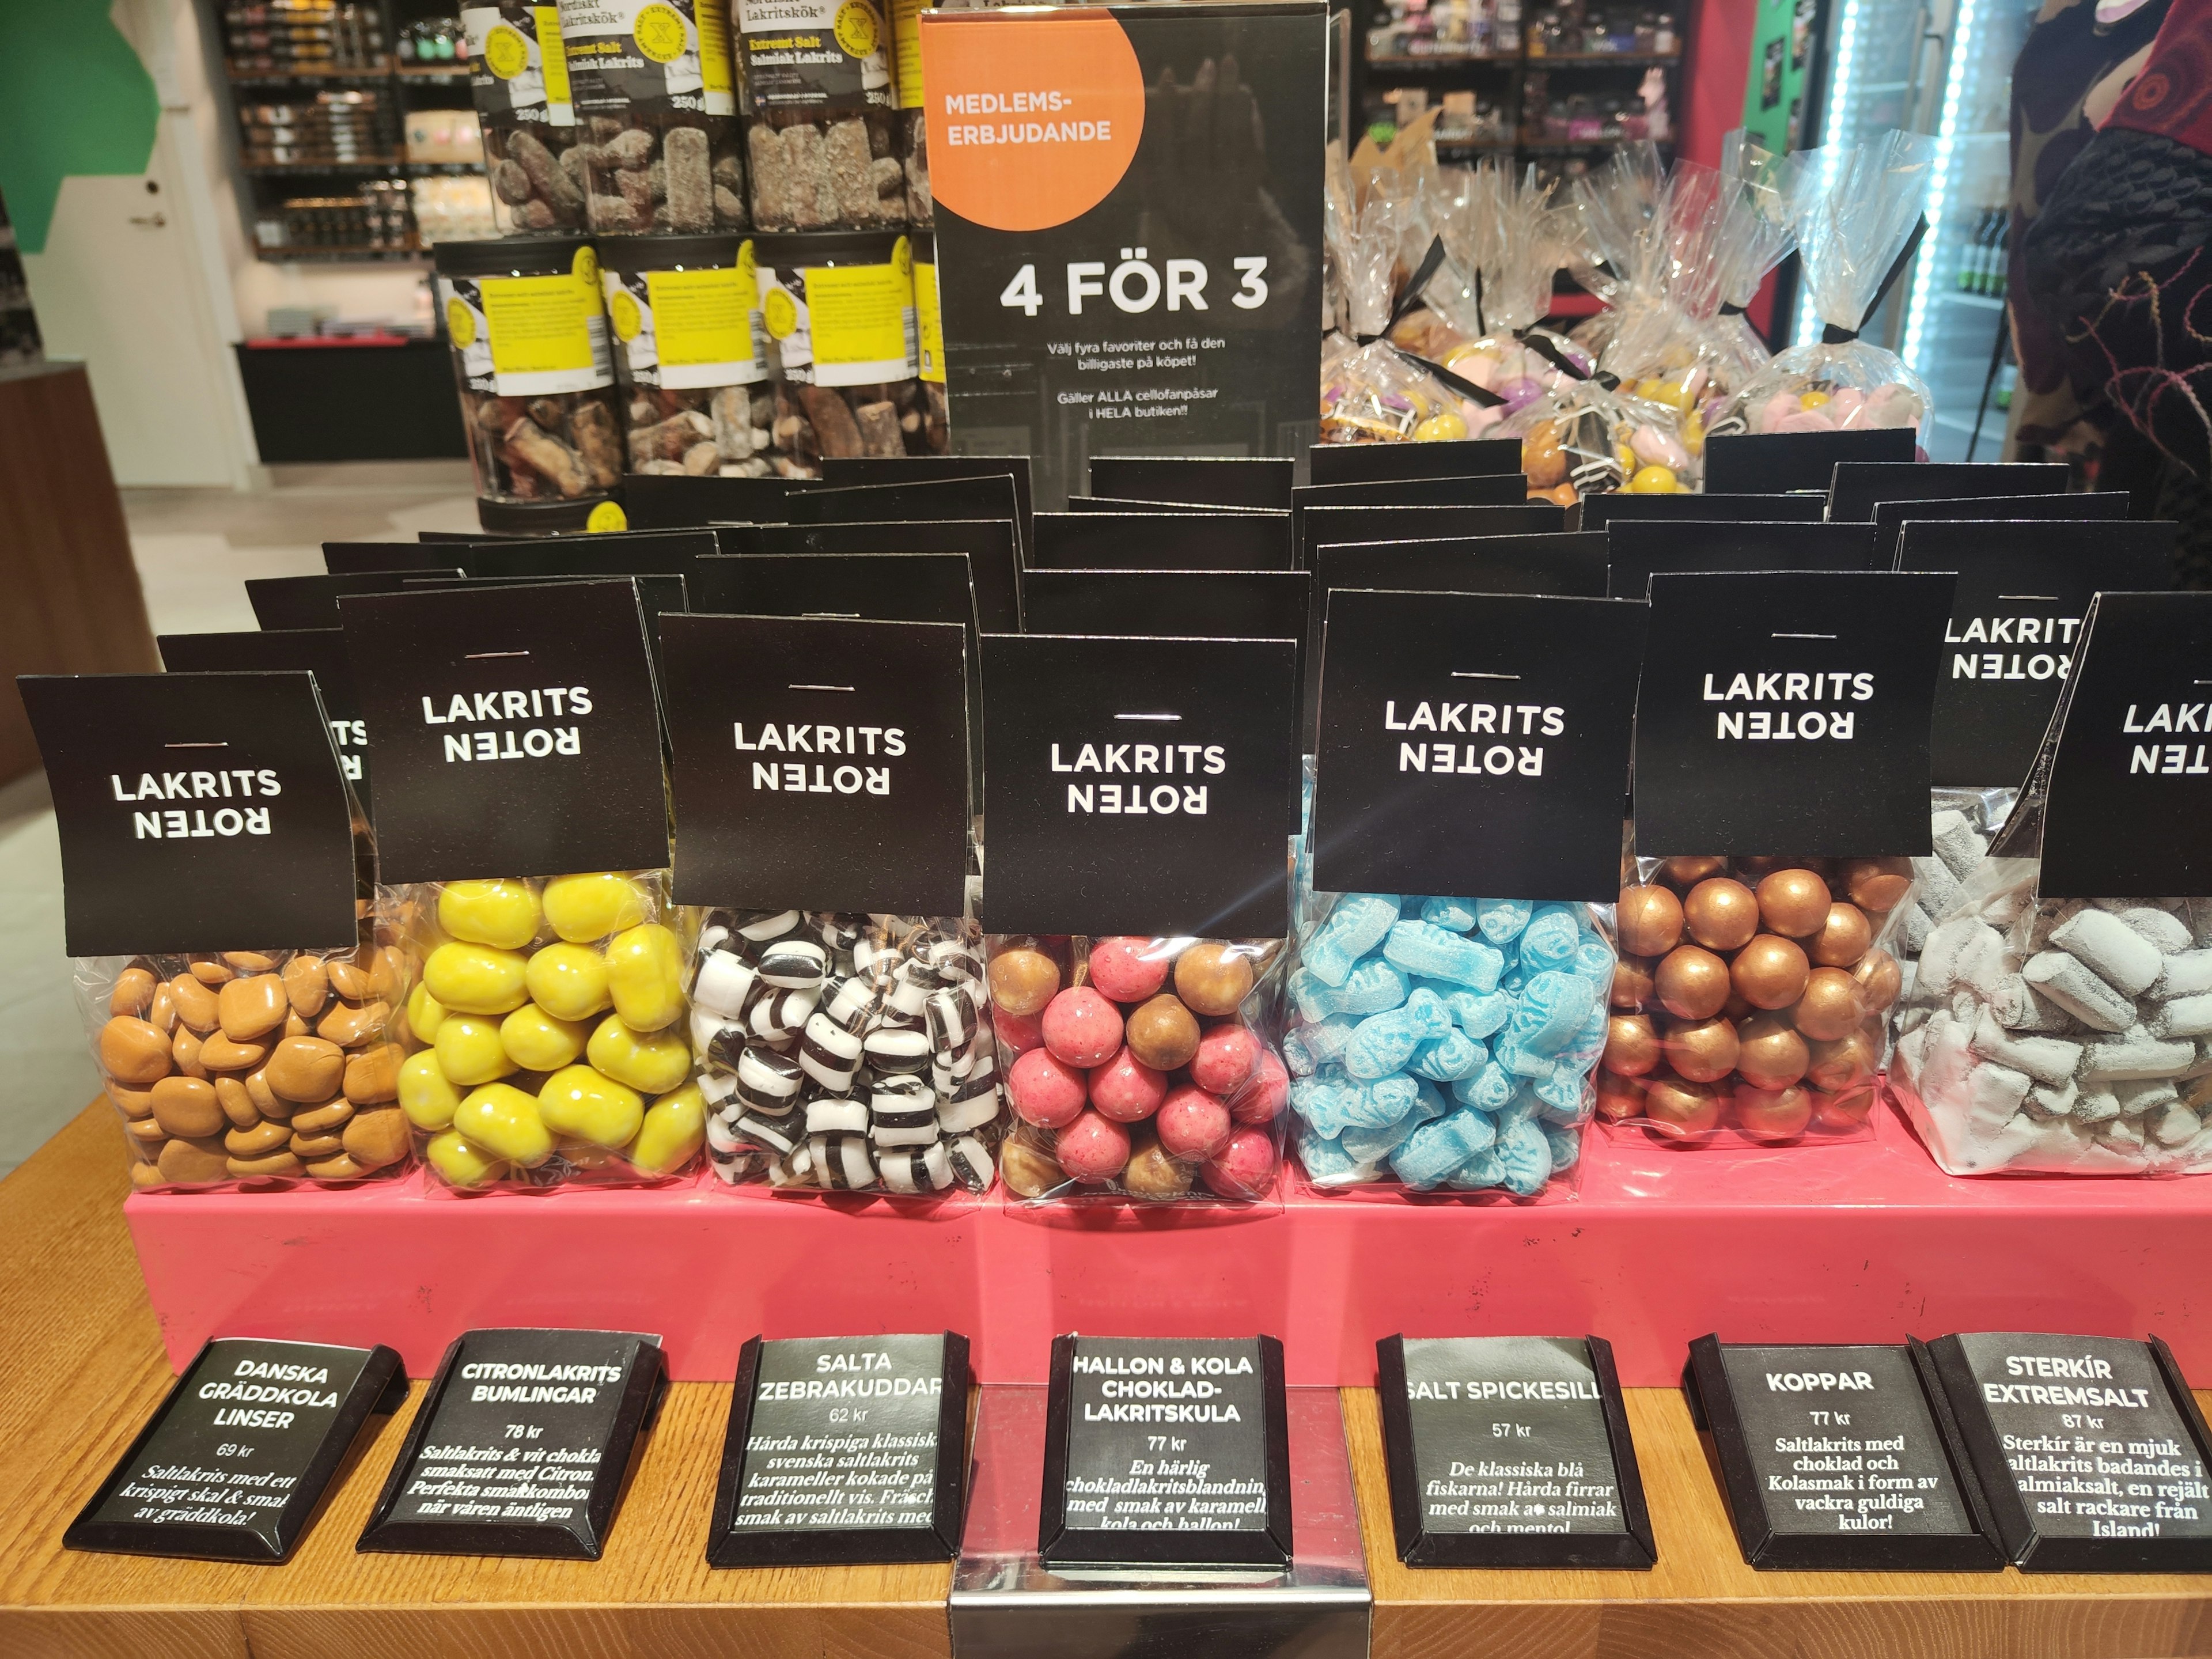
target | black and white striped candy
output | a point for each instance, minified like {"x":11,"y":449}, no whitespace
{"x":759,"y":927}
{"x":971,"y":1160}
{"x":718,"y":1087}
{"x":795,"y":964}
{"x":836,"y":1114}
{"x":953,"y":1021}
{"x":843,"y":1162}
{"x":725,"y":979}
{"x":972,"y":1104}
{"x":796,"y":1170}
{"x":769,"y":1081}
{"x":915,"y":1169}
{"x":911,"y":986}
{"x":838,"y":930}
{"x":903,"y":1112}
{"x":722,"y":1142}
{"x":780,"y":1018}
{"x":848,"y":1003}
{"x":897,"y":1048}
{"x":774,"y":1136}
{"x":830,"y":1055}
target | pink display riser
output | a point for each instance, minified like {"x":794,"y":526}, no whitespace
{"x":1862,"y":1242}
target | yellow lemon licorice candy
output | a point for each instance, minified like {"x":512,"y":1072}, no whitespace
{"x":469,"y":1050}
{"x":582,"y":1155}
{"x":1440,"y":427}
{"x":1652,"y":481}
{"x":503,"y":914}
{"x":675,"y":1127}
{"x":505,"y":1122}
{"x":583,"y":909}
{"x":537,"y":1041}
{"x":427,"y":1095}
{"x":645,"y":976}
{"x":425,"y":1013}
{"x":462,"y":1165}
{"x":651,"y":1062}
{"x":476,"y":979}
{"x":569,"y":981}
{"x":578,"y":1102}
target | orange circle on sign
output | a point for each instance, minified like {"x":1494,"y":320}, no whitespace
{"x":1032,"y":120}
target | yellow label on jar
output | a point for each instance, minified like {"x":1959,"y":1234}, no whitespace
{"x":607,"y":515}
{"x":460,"y":323}
{"x":553,"y":59}
{"x":660,"y":34}
{"x":857,"y":31}
{"x":542,"y":325}
{"x":701,"y":316}
{"x":860,"y":315}
{"x":780,"y":312}
{"x":587,"y":271}
{"x":506,"y":54}
{"x":928,"y":322}
{"x":624,"y":315}
{"x":906,"y":42}
{"x":715,"y":71}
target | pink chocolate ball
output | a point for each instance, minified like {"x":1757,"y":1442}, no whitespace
{"x":1260,"y":1100}
{"x":1093,"y":1148}
{"x":1082,"y":1028}
{"x":1193,"y":1123}
{"x":1245,"y":1167}
{"x":1127,"y":1089}
{"x":1019,"y":1032}
{"x":1122,"y":969}
{"x":1045,"y":1090}
{"x":1225,"y":1057}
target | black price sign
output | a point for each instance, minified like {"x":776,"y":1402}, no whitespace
{"x":232,"y":1465}
{"x":843,"y":1449}
{"x":1843,"y":1456}
{"x":1160,"y":1451}
{"x":522,"y":1446}
{"x":2094,"y":1457}
{"x":1510,"y":1451}
{"x":320,"y":651}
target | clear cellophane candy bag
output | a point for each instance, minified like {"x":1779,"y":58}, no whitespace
{"x":252,"y":1069}
{"x":547,"y":1034}
{"x":1139,"y":1068}
{"x":1443,"y":1045}
{"x":1587,"y":437}
{"x":1856,"y":216}
{"x":1750,"y":1002}
{"x":845,"y":1051}
{"x":2055,"y":1036}
{"x":1757,"y":230}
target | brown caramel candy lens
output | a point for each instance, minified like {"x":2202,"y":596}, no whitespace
{"x":1162,"y":1033}
{"x":134,"y":1051}
{"x":1769,"y":972}
{"x":1722,"y":913}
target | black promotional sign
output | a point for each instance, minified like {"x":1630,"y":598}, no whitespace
{"x":296,"y":601}
{"x":1196,"y":480}
{"x":839,"y":472}
{"x":844,"y":1448}
{"x":1138,"y":786}
{"x":1324,"y":526}
{"x":987,"y":495}
{"x":989,"y":545}
{"x":2098,"y":507}
{"x":1474,"y":742}
{"x":1618,"y":507}
{"x":1746,"y":463}
{"x":1840,"y":1456}
{"x":635,"y":553}
{"x":513,"y":730}
{"x":821,"y":761}
{"x":1510,"y":1451}
{"x":1123,"y":504}
{"x":1162,"y":541}
{"x":197,"y":812}
{"x":1637,"y":550}
{"x":1788,"y":713}
{"x":320,"y":651}
{"x":1139,"y":249}
{"x":2023,"y":591}
{"x":362,"y":558}
{"x":1860,"y":485}
{"x":522,"y":1446}
{"x":235,"y":1464}
{"x":1463,"y":457}
{"x":654,"y":502}
{"x":1161,"y":1451}
{"x":2131,"y":781}
{"x":2094,"y":1457}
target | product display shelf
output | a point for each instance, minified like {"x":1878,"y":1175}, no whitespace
{"x":1864,"y":1241}
{"x":82,"y":1365}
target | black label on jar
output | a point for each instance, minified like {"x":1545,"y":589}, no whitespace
{"x":517,"y":70}
{"x":815,"y":55}
{"x":649,"y":57}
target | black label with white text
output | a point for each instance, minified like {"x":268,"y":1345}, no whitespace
{"x":320,"y":651}
{"x":844,"y":1435}
{"x":1166,"y":1436}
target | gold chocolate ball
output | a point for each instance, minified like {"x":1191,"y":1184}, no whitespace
{"x":1632,"y":1046}
{"x":1723,"y":913}
{"x":1880,"y":980}
{"x":1769,"y":972}
{"x":1770,"y":1053}
{"x":1023,"y":980}
{"x":1876,"y":884}
{"x":1677,"y":1110}
{"x":1150,"y":1173}
{"x":1687,"y":873}
{"x":1027,"y":1168}
{"x":1692,"y":984}
{"x":1618,"y":1098}
{"x":1840,"y":1065}
{"x":1832,"y":1006}
{"x":1702,"y":1050}
{"x":1793,"y":903}
{"x":1773,"y":1114}
{"x":1162,"y":1034}
{"x":1649,"y":919}
{"x":1841,"y":1113}
{"x":1845,"y":934}
{"x":1213,"y":979}
{"x":1632,"y":983}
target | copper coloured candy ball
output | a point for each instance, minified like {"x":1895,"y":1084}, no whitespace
{"x":1213,"y":978}
{"x":1770,"y":972}
{"x":1162,"y":1033}
{"x":1631,"y":984}
{"x":1678,"y":1109}
{"x":1770,"y":1054}
{"x":1844,"y":935}
{"x":1692,"y":983}
{"x":1875,"y":884}
{"x":1650,"y":920}
{"x":1773,"y":1114}
{"x":1618,"y":1098}
{"x":1023,"y":980}
{"x":1632,"y":1046}
{"x":1687,"y":873}
{"x":1831,"y":1007}
{"x":1793,"y":902}
{"x":1880,"y":980}
{"x":1843,"y":1112}
{"x":1721,"y":913}
{"x":1702,"y":1050}
{"x":1844,"y":1063}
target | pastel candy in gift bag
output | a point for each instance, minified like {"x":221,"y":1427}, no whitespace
{"x":1502,"y":921}
{"x":1453,"y":916}
{"x":1384,"y":1042}
{"x":1527,"y":1157}
{"x":1425,"y":949}
{"x":1447,"y":1058}
{"x":1550,"y":940}
{"x":1307,"y":1049}
{"x":1372,"y":987}
{"x":1432,"y":1151}
{"x":1355,"y":926}
{"x":1554,"y":1007}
